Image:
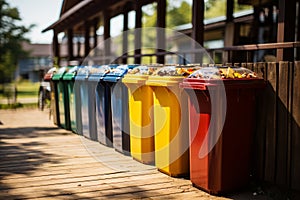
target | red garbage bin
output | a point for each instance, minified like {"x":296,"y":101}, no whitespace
{"x":220,"y":159}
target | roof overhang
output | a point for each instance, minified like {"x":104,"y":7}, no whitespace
{"x":89,"y":9}
{"x":69,"y":15}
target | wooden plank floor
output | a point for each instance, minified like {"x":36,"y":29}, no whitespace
{"x":41,"y":161}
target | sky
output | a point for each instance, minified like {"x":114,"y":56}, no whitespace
{"x":42,"y":13}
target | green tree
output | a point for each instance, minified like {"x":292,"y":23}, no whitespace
{"x":176,"y":14}
{"x":11,"y":37}
{"x":215,"y":8}
{"x":179,"y":15}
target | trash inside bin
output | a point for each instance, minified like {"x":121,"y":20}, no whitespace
{"x":69,"y":80}
{"x":119,"y":106}
{"x":170,"y":120}
{"x":141,"y":114}
{"x":221,"y":109}
{"x":62,"y":100}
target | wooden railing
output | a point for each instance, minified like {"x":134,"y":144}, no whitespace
{"x":277,"y":136}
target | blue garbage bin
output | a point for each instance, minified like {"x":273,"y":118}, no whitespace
{"x":119,"y":107}
{"x":99,"y":104}
{"x":87,"y":122}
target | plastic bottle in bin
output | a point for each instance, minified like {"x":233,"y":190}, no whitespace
{"x":175,"y":70}
{"x":223,"y":73}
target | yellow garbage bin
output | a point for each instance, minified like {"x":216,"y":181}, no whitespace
{"x":171,"y":130}
{"x":141,"y":114}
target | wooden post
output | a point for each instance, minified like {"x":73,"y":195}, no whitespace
{"x":160,"y":34}
{"x":138,"y":32}
{"x":271,"y":93}
{"x":229,"y":28}
{"x":87,"y":38}
{"x":295,"y":128}
{"x":198,"y":26}
{"x":286,"y":28}
{"x":56,"y":47}
{"x":95,"y":27}
{"x":78,"y":48}
{"x":298,"y":32}
{"x":106,"y":17}
{"x":282,"y":144}
{"x":70,"y":44}
{"x":125,"y":37}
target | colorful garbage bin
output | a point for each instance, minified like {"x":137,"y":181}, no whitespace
{"x":53,"y":94}
{"x":119,"y":106}
{"x":170,"y":121}
{"x":220,"y":140}
{"x":141,"y":117}
{"x":69,"y":80}
{"x":87,"y":124}
{"x":100,"y":97}
{"x":62,"y":100}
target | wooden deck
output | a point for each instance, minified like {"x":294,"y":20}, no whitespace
{"x":41,"y":161}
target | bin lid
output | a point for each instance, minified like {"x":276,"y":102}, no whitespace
{"x":49,"y":74}
{"x":70,"y":75}
{"x":117,"y":73}
{"x":97,"y":73}
{"x":230,"y":77}
{"x":169,"y":75}
{"x":60,"y":73}
{"x":139,"y":74}
{"x":83,"y":73}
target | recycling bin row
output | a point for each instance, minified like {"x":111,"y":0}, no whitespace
{"x":186,"y":120}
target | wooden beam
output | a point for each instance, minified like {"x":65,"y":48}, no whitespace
{"x":106,"y":19}
{"x":229,"y":10}
{"x":137,"y":32}
{"x":197,"y":21}
{"x":198,"y":26}
{"x":95,"y":27}
{"x":78,"y":48}
{"x":56,"y":47}
{"x":298,"y":31}
{"x":125,"y":37}
{"x":286,"y":28}
{"x":229,"y":27}
{"x":161,"y":35}
{"x":70,"y":44}
{"x":86,"y":38}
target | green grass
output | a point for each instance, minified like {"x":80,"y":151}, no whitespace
{"x":18,"y":105}
{"x":25,"y":89}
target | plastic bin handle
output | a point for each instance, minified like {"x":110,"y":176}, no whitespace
{"x":187,"y":85}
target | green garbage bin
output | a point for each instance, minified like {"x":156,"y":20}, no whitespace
{"x":62,"y":100}
{"x":69,"y":81}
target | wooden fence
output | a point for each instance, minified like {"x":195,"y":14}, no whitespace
{"x":277,"y":137}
